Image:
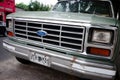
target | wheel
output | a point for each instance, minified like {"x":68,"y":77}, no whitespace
{"x":23,"y":61}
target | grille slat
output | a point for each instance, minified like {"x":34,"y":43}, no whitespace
{"x":71,"y":46}
{"x":34,"y":27}
{"x":63,"y":36}
{"x":31,"y":32}
{"x":72,"y":32}
{"x":71,"y":38}
{"x":20,"y":35}
{"x":70,"y":43}
{"x":72,"y":35}
{"x":20,"y":22}
{"x":20,"y":30}
{"x":20,"y":25}
{"x":34,"y":37}
{"x":54,"y":27}
{"x":34,"y":24}
{"x":51,"y":40}
{"x":51,"y":29}
{"x":53,"y":35}
{"x":72,"y":29}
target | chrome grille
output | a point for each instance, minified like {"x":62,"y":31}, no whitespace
{"x":63,"y":36}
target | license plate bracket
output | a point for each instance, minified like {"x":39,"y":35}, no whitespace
{"x":40,"y":59}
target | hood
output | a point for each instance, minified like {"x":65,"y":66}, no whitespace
{"x":65,"y":16}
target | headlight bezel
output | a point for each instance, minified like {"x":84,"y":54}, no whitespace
{"x":91,"y":35}
{"x":10,"y":27}
{"x":9,"y":23}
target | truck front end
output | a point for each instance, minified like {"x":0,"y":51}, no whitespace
{"x":75,"y":43}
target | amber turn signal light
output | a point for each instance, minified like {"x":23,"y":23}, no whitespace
{"x":98,"y":51}
{"x":9,"y":33}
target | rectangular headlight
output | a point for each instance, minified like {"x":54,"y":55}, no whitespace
{"x":101,"y":36}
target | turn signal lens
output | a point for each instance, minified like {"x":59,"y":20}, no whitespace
{"x":99,"y":51}
{"x":9,"y":33}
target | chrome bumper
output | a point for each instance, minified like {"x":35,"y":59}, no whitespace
{"x":73,"y":65}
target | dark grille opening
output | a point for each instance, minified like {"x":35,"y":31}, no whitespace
{"x":51,"y":27}
{"x":72,"y":29}
{"x":32,"y":34}
{"x":20,"y":27}
{"x":71,"y":41}
{"x":18,"y":35}
{"x":17,"y":31}
{"x":52,"y":32}
{"x":33,"y":29}
{"x":51,"y":42}
{"x":34,"y":25}
{"x":35,"y":39}
{"x":35,"y":45}
{"x":20,"y":23}
{"x":72,"y":35}
{"x":51,"y":37}
{"x":71,"y":46}
{"x":55,"y":50}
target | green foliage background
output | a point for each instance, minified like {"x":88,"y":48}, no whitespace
{"x":33,"y":6}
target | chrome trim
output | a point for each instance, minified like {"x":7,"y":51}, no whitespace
{"x":8,"y":17}
{"x":19,"y":25}
{"x":58,"y":55}
{"x":113,"y":14}
{"x":59,"y":35}
{"x":56,"y":21}
{"x":111,"y":47}
{"x":79,"y":73}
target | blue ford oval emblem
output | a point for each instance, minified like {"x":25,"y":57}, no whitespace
{"x":41,"y":33}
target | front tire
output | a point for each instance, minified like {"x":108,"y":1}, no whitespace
{"x":23,"y":61}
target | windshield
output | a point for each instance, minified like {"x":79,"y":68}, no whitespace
{"x":102,"y":8}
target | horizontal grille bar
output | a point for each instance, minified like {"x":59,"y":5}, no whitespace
{"x":63,"y":36}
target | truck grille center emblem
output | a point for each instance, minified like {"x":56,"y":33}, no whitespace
{"x":41,"y":33}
